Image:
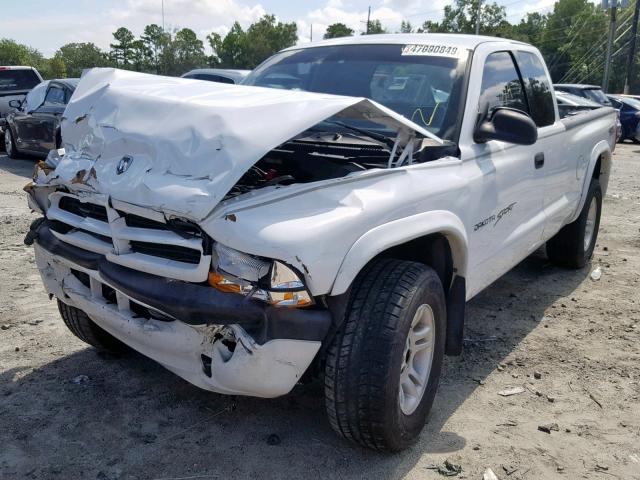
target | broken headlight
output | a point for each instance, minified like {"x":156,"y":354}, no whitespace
{"x":271,"y":281}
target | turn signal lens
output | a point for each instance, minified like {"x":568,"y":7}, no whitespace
{"x":219,"y":282}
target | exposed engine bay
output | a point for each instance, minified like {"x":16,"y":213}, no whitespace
{"x":319,"y":155}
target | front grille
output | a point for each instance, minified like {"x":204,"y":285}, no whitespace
{"x":82,"y":209}
{"x":176,"y":249}
{"x":136,"y":221}
{"x":170,"y":252}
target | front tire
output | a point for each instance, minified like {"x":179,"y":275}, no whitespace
{"x":383,"y":367}
{"x":10,"y":144}
{"x":573,"y":245}
{"x":88,"y":331}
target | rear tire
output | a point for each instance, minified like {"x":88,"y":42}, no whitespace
{"x":10,"y":144}
{"x":88,"y":331}
{"x":375,"y":353}
{"x":573,"y":245}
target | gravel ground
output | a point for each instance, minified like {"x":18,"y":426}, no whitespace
{"x":570,"y":341}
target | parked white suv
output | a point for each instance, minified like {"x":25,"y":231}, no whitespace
{"x":334,"y":223}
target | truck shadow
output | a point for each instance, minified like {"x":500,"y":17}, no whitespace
{"x":17,"y":166}
{"x":133,"y":419}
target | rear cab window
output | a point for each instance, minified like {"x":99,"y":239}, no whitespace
{"x":11,"y":80}
{"x":537,"y":88}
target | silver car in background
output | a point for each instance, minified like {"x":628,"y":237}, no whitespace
{"x":220,"y":75}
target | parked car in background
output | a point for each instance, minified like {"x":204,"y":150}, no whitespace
{"x":15,"y":83}
{"x":34,"y":127}
{"x":570,"y":104}
{"x":219,"y":75}
{"x":629,"y":108}
{"x":591,"y":92}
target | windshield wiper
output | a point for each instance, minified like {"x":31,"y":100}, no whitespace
{"x":369,"y":133}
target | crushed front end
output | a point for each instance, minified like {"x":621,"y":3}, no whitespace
{"x":168,"y":291}
{"x":131,"y":235}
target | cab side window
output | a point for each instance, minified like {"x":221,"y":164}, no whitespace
{"x":55,"y":96}
{"x":501,"y":85}
{"x":537,"y":87}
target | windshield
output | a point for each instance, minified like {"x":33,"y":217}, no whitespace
{"x":17,"y":80}
{"x":597,"y":95}
{"x":424,"y":88}
{"x":35,"y":97}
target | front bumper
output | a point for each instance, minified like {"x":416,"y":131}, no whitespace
{"x":193,"y":351}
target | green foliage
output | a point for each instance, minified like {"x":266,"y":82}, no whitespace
{"x":461,"y":17}
{"x":121,"y":52}
{"x":14,"y":53}
{"x":79,"y":56}
{"x":155,"y":41}
{"x":246,"y":49}
{"x":57,"y":67}
{"x":406,"y":27}
{"x":230,"y":51}
{"x":375,"y":27}
{"x":572,"y":39}
{"x":337,"y":30}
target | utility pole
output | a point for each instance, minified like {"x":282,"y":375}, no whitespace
{"x":632,"y":48}
{"x":612,"y":34}
{"x":368,"y":19}
{"x":311,"y":36}
{"x":162,"y":16}
{"x":478,"y":17}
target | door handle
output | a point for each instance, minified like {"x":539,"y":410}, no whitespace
{"x":538,"y":160}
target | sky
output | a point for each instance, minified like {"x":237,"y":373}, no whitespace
{"x":47,"y":25}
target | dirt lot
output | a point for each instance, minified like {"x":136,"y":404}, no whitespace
{"x":131,"y":419}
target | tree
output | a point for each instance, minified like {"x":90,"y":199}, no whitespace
{"x":246,"y":49}
{"x":156,"y":40}
{"x":406,"y":27}
{"x":531,"y":28}
{"x":230,"y":51}
{"x":461,"y":16}
{"x":266,"y":37}
{"x":375,"y":27}
{"x":121,"y":51}
{"x":79,"y":56}
{"x":14,"y":53}
{"x":57,"y":67}
{"x":336,"y":30}
{"x":188,"y":50}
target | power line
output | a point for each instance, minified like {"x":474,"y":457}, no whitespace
{"x":591,"y":53}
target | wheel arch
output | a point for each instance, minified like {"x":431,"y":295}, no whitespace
{"x":423,"y":237}
{"x":599,"y":167}
{"x":437,"y":239}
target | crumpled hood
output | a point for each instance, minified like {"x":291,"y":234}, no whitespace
{"x":188,"y":141}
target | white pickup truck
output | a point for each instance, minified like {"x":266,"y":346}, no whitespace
{"x":332,"y":215}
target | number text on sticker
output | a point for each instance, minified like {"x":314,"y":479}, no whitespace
{"x":431,"y":50}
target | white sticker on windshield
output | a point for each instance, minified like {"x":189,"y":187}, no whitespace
{"x":432,"y":50}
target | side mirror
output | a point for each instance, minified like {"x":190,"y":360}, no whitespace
{"x":15,"y":103}
{"x":507,"y":125}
